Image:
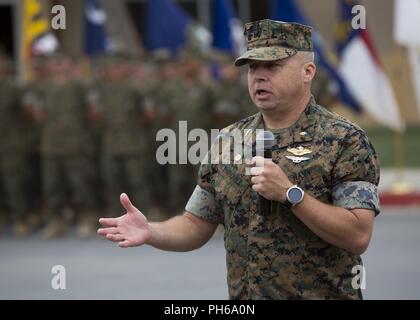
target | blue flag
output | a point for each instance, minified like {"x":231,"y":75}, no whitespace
{"x":96,"y":39}
{"x":346,"y":34}
{"x":289,"y":10}
{"x":165,"y":25}
{"x":227,"y":29}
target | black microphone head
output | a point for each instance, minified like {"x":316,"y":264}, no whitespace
{"x":267,"y":138}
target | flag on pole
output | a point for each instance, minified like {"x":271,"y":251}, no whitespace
{"x":407,"y":33}
{"x":289,"y":10}
{"x":96,"y":38}
{"x":36,"y":37}
{"x":227,"y":28}
{"x":363,"y":72}
{"x":165,"y":25}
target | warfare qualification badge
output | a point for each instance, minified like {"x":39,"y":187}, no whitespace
{"x":297,"y":159}
{"x":299,"y":151}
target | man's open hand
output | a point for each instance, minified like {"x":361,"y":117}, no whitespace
{"x":129,"y":230}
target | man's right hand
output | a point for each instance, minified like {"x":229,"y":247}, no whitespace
{"x":130,"y":230}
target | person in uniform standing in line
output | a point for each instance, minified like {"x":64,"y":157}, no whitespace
{"x":124,"y":124}
{"x":66,"y":147}
{"x":191,"y":99}
{"x":14,"y":171}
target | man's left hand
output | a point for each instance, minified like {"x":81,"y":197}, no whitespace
{"x":269,"y":180}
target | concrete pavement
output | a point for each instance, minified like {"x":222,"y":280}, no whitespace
{"x":96,"y":269}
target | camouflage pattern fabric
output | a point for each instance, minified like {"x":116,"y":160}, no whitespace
{"x":14,"y":169}
{"x":66,"y":148}
{"x":270,"y":40}
{"x":277,"y":256}
{"x":11,"y":119}
{"x":123,"y":123}
{"x":68,"y":180}
{"x":193,"y":104}
{"x":32,"y":99}
{"x":65,"y":130}
{"x":126,"y":147}
{"x":232,"y":103}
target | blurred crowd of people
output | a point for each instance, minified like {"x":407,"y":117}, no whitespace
{"x":80,"y":132}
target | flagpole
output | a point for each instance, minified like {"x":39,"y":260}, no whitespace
{"x":22,"y":69}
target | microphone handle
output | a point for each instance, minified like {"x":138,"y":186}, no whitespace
{"x":265,"y":205}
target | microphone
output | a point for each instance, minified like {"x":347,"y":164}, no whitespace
{"x":264,"y":140}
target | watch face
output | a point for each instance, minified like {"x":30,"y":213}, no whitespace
{"x":295,"y":195}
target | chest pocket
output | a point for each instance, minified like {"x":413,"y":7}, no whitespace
{"x":230,"y":184}
{"x":313,"y":174}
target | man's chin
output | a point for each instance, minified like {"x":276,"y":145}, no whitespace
{"x":265,"y":107}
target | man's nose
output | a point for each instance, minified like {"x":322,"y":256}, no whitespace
{"x":260,"y":76}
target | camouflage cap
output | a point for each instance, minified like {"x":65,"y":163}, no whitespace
{"x":270,"y":40}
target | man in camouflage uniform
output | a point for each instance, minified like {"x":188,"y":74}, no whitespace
{"x":66,"y":150}
{"x":189,"y":99}
{"x":307,"y":245}
{"x":32,"y":93}
{"x":13,"y":150}
{"x":158,"y":83}
{"x":124,"y":124}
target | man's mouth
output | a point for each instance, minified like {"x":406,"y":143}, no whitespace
{"x":262,"y":93}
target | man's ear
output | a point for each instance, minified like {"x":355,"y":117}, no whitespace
{"x":309,"y":70}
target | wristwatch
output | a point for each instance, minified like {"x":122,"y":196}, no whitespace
{"x":294,"y":196}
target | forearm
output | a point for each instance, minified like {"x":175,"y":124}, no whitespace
{"x":337,"y":226}
{"x":180,"y":233}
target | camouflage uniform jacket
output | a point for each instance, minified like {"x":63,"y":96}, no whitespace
{"x":124,"y":125}
{"x":11,"y":119}
{"x":192,"y":104}
{"x":65,"y":130}
{"x":277,"y":256}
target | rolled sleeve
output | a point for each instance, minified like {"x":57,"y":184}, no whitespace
{"x":356,"y":195}
{"x":203,"y":204}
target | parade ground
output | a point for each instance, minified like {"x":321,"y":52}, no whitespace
{"x":97,"y":269}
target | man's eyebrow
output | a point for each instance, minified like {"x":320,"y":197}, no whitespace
{"x":283,"y":61}
{"x":267,"y":63}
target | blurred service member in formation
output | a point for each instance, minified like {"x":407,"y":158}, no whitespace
{"x":124,"y":122}
{"x":14,"y":166}
{"x":66,"y":150}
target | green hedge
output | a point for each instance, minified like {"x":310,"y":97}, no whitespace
{"x":384,"y":142}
